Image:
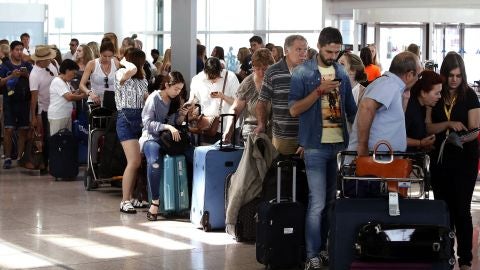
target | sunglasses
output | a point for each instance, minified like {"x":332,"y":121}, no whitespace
{"x":105,"y":80}
{"x":49,"y":71}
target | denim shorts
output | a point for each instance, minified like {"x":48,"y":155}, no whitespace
{"x":129,"y":124}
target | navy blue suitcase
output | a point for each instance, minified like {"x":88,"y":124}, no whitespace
{"x":349,"y":215}
{"x":212,"y":165}
{"x":63,"y":151}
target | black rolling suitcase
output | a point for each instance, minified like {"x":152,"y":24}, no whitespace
{"x":351,"y":217}
{"x":280,"y":227}
{"x":63,"y":155}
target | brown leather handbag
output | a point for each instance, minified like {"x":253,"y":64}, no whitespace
{"x":391,"y":168}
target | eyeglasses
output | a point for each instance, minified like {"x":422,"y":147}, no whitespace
{"x":105,"y":80}
{"x":49,"y":71}
{"x":72,"y":44}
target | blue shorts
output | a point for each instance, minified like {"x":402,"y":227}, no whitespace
{"x":16,"y":114}
{"x":129,"y":124}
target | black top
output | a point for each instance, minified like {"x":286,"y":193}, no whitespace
{"x":459,"y":113}
{"x":415,"y":121}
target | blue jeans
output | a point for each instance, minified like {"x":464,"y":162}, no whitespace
{"x":321,"y":168}
{"x":151,"y":149}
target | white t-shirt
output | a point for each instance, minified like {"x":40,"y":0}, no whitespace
{"x":40,"y":80}
{"x":201,"y":88}
{"x":59,"y":107}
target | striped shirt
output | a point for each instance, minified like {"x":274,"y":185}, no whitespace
{"x":275,"y":88}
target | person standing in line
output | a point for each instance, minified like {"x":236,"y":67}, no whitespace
{"x":131,"y":90}
{"x":380,"y":114}
{"x":73,"y":48}
{"x":61,"y":97}
{"x":454,"y":174}
{"x":14,"y":75}
{"x":101,"y":74}
{"x":323,"y":105}
{"x":41,"y":77}
{"x":275,"y":89}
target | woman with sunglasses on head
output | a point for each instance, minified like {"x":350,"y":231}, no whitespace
{"x":130,"y":93}
{"x":454,"y":174}
{"x":101,"y":73}
{"x":161,"y":113}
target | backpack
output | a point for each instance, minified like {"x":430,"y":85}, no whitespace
{"x":20,"y":85}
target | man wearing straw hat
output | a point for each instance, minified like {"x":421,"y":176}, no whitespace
{"x":41,"y":77}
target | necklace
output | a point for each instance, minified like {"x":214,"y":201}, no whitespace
{"x":106,"y":68}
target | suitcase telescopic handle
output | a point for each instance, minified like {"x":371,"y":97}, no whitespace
{"x":293,"y":165}
{"x":222,"y":118}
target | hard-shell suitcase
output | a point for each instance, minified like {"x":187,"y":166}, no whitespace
{"x":63,"y":149}
{"x":349,"y":215}
{"x":280,"y":227}
{"x":175,"y":185}
{"x":211,"y":166}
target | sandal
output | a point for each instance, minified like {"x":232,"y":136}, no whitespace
{"x":150,"y":216}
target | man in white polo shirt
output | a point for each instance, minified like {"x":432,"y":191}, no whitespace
{"x":41,"y":76}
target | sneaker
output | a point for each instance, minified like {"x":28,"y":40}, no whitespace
{"x":7,"y":164}
{"x":313,"y":263}
{"x":139,"y":204}
{"x":323,"y":256}
{"x":127,"y":207}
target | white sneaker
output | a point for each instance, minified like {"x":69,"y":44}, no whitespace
{"x":127,"y":207}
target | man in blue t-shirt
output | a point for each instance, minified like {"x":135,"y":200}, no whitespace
{"x":380,"y":113}
{"x":14,"y":84}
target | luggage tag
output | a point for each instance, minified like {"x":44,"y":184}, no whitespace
{"x":393,"y":207}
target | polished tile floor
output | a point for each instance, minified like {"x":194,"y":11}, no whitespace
{"x":58,"y":225}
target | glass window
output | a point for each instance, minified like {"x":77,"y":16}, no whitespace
{"x":228,"y":15}
{"x":306,"y":17}
{"x":394,"y":40}
{"x":472,"y":53}
{"x":346,"y":28}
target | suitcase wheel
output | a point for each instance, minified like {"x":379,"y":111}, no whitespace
{"x":205,"y":222}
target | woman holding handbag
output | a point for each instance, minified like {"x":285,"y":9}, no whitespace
{"x":161,"y":107}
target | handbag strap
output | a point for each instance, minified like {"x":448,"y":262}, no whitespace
{"x":223,"y":91}
{"x":375,"y":150}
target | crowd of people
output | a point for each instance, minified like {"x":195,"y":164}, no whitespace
{"x":310,"y":103}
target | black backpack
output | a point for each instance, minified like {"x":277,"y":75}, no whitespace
{"x":22,"y":86}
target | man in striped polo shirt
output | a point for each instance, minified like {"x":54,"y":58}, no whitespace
{"x":275,"y":89}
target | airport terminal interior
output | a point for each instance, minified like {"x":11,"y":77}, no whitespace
{"x":49,"y":224}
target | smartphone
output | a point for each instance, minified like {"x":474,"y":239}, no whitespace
{"x":337,"y":80}
{"x":23,"y":69}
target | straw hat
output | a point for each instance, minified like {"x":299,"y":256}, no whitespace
{"x":43,"y":52}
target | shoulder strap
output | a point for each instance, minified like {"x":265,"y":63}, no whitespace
{"x":223,"y":91}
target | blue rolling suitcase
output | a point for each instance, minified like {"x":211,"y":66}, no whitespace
{"x":175,"y":186}
{"x":212,"y":164}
